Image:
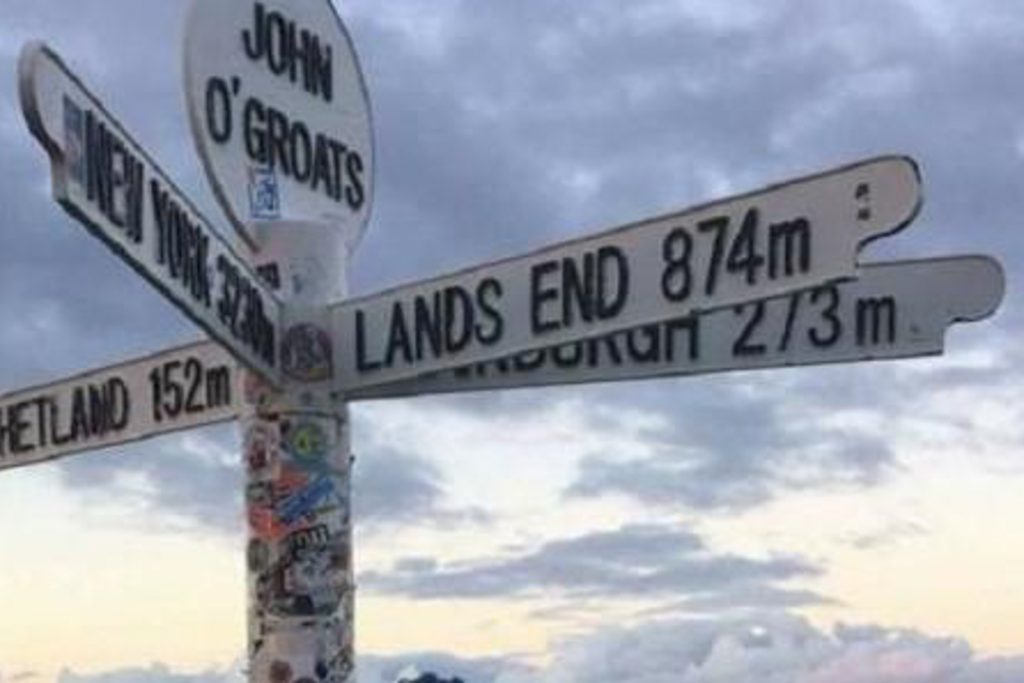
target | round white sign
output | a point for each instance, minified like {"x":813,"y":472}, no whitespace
{"x":280,"y":113}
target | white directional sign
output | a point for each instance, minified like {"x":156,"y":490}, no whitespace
{"x":103,"y":178}
{"x":899,"y":309}
{"x":279,"y":112}
{"x":787,"y":237}
{"x":185,"y":387}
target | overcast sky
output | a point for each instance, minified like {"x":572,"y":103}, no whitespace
{"x":836,"y":524}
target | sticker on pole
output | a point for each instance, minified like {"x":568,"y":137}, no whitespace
{"x":279,"y":113}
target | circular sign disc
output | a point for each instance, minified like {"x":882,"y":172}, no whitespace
{"x":279,"y":112}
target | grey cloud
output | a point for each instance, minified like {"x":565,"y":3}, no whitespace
{"x":395,"y":488}
{"x":651,"y":113}
{"x":767,"y":648}
{"x":193,"y":483}
{"x":631,"y":562}
{"x":893,"y":533}
{"x":720,"y":446}
{"x":76,"y":303}
{"x":773,"y":648}
{"x":753,"y":598}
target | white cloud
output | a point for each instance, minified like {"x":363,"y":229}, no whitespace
{"x":775,"y":648}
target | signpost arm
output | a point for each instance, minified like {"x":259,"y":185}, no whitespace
{"x":298,"y":464}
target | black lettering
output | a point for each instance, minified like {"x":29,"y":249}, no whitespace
{"x":42,"y":433}
{"x":202,"y":287}
{"x":159,"y":200}
{"x":253,"y":39}
{"x":612,"y":267}
{"x":5,"y":430}
{"x":690,"y":324}
{"x":97,"y":152}
{"x":429,"y":327}
{"x":277,"y":43}
{"x":874,"y":315}
{"x":743,"y":345}
{"x":56,"y":437}
{"x":355,"y":193}
{"x":579,"y":288}
{"x":301,"y":146}
{"x":568,"y":356}
{"x":541,"y":294}
{"x":458,"y":318}
{"x":320,"y":69}
{"x":218,"y":110}
{"x":277,"y":139}
{"x":120,"y":404}
{"x":398,"y":337}
{"x":322,"y":168}
{"x":793,"y":239}
{"x":818,"y":337}
{"x":17,"y":425}
{"x":290,"y":52}
{"x":530,"y":360}
{"x":175,"y":245}
{"x":257,"y":144}
{"x":487,"y":294}
{"x":291,"y":45}
{"x":118,"y":180}
{"x":611,"y":342}
{"x":79,"y":415}
{"x":644,"y":344}
{"x":97,"y":410}
{"x":338,"y":154}
{"x":182,"y":245}
{"x":136,"y":198}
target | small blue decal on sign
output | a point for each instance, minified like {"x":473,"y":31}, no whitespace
{"x":264,"y":198}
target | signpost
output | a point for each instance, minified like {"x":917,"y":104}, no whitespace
{"x":281,"y":119}
{"x":105,"y":180}
{"x":181,"y":388}
{"x":899,"y":309}
{"x":792,"y":236}
{"x":279,"y":113}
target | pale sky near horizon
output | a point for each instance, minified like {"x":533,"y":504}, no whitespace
{"x":837,"y":524}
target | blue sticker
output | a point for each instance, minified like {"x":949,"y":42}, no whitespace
{"x":264,"y":198}
{"x":303,"y":502}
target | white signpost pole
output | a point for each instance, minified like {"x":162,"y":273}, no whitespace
{"x":281,"y":120}
{"x":298,"y":485}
